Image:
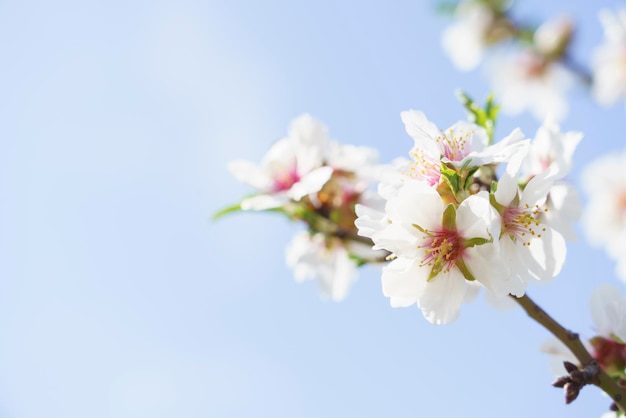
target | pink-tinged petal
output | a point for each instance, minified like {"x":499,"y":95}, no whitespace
{"x":476,"y":218}
{"x":310,"y":183}
{"x":250,"y":174}
{"x":545,"y":255}
{"x":264,"y":201}
{"x":423,"y":131}
{"x":442,"y":297}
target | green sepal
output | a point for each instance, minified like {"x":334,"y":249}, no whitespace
{"x":472,"y":242}
{"x":226,"y":211}
{"x":435,"y":271}
{"x":460,"y":264}
{"x":449,"y":218}
{"x":469,"y":177}
{"x":452,"y":178}
{"x":492,"y":199}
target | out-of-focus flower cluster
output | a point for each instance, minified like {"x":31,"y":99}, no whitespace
{"x":312,"y":179}
{"x":453,"y":227}
{"x":531,"y":67}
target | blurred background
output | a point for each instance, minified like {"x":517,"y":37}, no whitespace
{"x":120,"y":297}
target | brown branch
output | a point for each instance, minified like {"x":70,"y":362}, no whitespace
{"x":572,"y":341}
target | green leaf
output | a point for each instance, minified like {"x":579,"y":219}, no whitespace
{"x":227,"y":210}
{"x":483,"y":117}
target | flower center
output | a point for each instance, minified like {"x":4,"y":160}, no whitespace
{"x":285,"y":179}
{"x":441,"y":250}
{"x":455,"y":148}
{"x":523,"y":223}
{"x":424,"y":167}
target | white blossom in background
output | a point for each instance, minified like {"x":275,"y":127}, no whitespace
{"x":527,"y":81}
{"x":466,"y":40}
{"x":604,"y":218}
{"x":319,"y":182}
{"x":292,"y":168}
{"x":314,"y":256}
{"x":609,"y":59}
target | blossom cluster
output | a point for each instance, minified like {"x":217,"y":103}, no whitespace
{"x":453,"y":227}
{"x":531,"y":67}
{"x":315,"y":180}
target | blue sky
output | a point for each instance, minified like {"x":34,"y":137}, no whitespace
{"x":119,"y":297}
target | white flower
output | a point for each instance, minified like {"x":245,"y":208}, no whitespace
{"x":442,"y":254}
{"x":609,"y":59}
{"x":608,"y":312}
{"x":314,"y":256}
{"x":527,"y":81}
{"x":605,"y":216}
{"x":531,"y":248}
{"x":293,"y":167}
{"x":465,"y":40}
{"x":462,"y":145}
{"x":553,"y":150}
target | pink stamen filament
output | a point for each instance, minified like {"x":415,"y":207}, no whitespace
{"x":441,"y":249}
{"x":523,"y":224}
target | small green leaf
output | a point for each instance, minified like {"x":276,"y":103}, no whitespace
{"x":227,"y":210}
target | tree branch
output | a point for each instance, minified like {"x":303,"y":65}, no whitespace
{"x":572,"y":341}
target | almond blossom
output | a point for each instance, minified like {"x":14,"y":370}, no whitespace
{"x":292,"y":168}
{"x":463,"y":144}
{"x":442,"y":253}
{"x":532,"y":248}
{"x":553,"y":150}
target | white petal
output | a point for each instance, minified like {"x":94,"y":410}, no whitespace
{"x":423,"y":131}
{"x":476,"y":218}
{"x":442,"y":297}
{"x":310,"y":183}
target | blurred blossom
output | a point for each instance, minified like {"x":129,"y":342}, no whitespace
{"x":526,"y":80}
{"x":553,"y":37}
{"x":478,"y":25}
{"x":312,"y":179}
{"x":605,"y":215}
{"x":609,"y":59}
{"x":292,"y":168}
